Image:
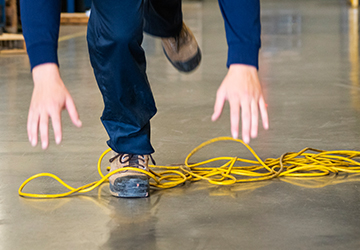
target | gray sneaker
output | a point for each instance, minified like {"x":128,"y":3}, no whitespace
{"x":183,"y":50}
{"x":129,"y":184}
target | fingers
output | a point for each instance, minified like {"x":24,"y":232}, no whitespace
{"x":249,"y":117}
{"x":32,"y":128}
{"x":44,"y":130}
{"x":38,"y":121}
{"x":41,"y":123}
{"x":254,"y":119}
{"x":246,"y":120}
{"x":263,"y":112}
{"x":234,"y":117}
{"x":56,"y":123}
{"x":70,"y":106}
{"x":219,"y":105}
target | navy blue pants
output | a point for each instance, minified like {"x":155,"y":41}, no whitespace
{"x":115,"y":34}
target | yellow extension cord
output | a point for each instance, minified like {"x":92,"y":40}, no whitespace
{"x":300,"y":164}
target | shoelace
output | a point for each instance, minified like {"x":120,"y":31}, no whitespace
{"x":132,"y":159}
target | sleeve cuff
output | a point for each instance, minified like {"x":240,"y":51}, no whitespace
{"x":42,"y":53}
{"x":243,"y":54}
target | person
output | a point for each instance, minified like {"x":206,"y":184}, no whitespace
{"x":115,"y":34}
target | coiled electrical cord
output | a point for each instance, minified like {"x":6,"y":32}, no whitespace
{"x":308,"y":162}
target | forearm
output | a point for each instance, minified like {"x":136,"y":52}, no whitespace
{"x":40,"y":23}
{"x":242,"y":26}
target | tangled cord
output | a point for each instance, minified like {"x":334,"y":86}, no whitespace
{"x":300,"y":164}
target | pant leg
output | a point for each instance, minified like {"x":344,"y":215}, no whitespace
{"x":163,"y":18}
{"x":115,"y":34}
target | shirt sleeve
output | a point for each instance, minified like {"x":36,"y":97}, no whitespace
{"x":40,"y":23}
{"x":243,"y":29}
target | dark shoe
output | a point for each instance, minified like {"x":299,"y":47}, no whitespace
{"x":182,"y":51}
{"x":129,"y":184}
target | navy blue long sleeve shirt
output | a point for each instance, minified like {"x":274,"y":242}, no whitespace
{"x":41,"y":21}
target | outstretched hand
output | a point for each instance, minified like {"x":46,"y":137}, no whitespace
{"x":241,"y":88}
{"x":49,"y":98}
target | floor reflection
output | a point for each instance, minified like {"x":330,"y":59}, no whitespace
{"x":281,"y":30}
{"x":133,"y":223}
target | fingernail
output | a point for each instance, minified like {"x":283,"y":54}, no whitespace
{"x":44,"y":145}
{"x":79,"y":123}
{"x":246,"y":140}
{"x":33,"y":142}
{"x":235,"y":134}
{"x":58,"y":140}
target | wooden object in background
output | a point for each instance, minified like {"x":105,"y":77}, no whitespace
{"x":74,"y":19}
{"x":11,"y":16}
{"x":12,"y":43}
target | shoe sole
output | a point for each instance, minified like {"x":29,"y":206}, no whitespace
{"x":132,"y":186}
{"x":187,"y":66}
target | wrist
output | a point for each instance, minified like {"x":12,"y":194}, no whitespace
{"x":242,"y":70}
{"x":242,"y":67}
{"x":46,"y":73}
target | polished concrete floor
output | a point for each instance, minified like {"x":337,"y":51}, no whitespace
{"x":310,"y":75}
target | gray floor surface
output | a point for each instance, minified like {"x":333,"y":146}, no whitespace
{"x":309,"y":69}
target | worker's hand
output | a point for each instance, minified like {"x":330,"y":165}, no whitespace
{"x":49,"y":98}
{"x":241,"y":87}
